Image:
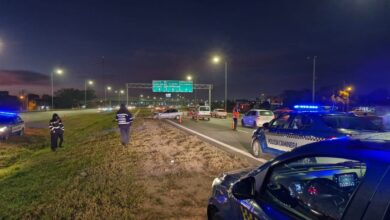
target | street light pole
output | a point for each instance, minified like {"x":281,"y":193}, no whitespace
{"x":85,"y":94}
{"x":52,"y":91}
{"x":225,"y":86}
{"x":59,"y":72}
{"x":314,"y":79}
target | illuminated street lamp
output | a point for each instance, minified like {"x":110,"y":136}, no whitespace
{"x":217,"y":60}
{"x":119,"y":94}
{"x":108,"y":88}
{"x":58,"y":72}
{"x":345,"y":94}
{"x":86,"y":82}
{"x":189,"y":78}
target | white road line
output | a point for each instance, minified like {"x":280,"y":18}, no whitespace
{"x":217,"y":142}
{"x":243,"y":131}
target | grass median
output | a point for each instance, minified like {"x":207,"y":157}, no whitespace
{"x":86,"y":179}
{"x":165,"y":173}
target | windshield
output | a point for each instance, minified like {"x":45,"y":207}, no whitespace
{"x":350,"y":122}
{"x":266,"y":113}
{"x":204,"y":108}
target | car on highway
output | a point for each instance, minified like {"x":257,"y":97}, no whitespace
{"x":300,"y":127}
{"x":344,"y":178}
{"x":202,"y":112}
{"x":256,"y":118}
{"x":219,"y":113}
{"x":10,"y":124}
{"x":169,"y":114}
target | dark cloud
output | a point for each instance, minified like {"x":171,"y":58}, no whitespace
{"x":22,"y":77}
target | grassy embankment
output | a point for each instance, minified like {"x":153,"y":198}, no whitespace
{"x":90,"y":178}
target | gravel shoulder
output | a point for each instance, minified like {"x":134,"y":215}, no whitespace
{"x":177,"y":170}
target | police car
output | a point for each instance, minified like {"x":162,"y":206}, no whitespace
{"x":343,"y":178}
{"x":307,"y":124}
{"x":10,"y":124}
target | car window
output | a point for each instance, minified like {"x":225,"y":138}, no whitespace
{"x":350,"y":122}
{"x":19,"y":119}
{"x":204,"y":108}
{"x":253,"y":113}
{"x":174,"y":110}
{"x":301,"y":122}
{"x":281,"y":122}
{"x":314,"y":187}
{"x":266,"y":113}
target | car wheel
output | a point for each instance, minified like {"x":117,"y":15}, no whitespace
{"x":242,"y":123}
{"x":208,"y":119}
{"x":177,"y":117}
{"x":216,"y":216}
{"x":21,"y":132}
{"x":254,"y":124}
{"x":6,"y":136}
{"x":256,"y":148}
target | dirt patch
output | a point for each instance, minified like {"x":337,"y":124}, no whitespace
{"x":176,"y":170}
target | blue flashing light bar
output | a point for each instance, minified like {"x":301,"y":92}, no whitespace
{"x":7,"y":113}
{"x":306,"y":107}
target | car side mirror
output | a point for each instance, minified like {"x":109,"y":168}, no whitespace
{"x":266,"y":125}
{"x":244,"y":189}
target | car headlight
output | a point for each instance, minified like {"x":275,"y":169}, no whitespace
{"x":2,"y":129}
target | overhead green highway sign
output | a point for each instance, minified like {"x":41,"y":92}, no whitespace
{"x":172,"y":86}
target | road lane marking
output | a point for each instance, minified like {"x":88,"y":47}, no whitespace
{"x":244,"y":153}
{"x":243,"y":131}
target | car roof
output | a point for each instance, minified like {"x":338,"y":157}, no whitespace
{"x":371,"y":147}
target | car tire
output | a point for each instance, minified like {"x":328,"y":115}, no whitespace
{"x":242,"y":123}
{"x":256,"y":148}
{"x":21,"y":132}
{"x":254,"y":125}
{"x":216,"y":216}
{"x":6,"y":136}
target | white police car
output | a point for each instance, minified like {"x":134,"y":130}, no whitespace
{"x":10,"y":124}
{"x":307,"y":124}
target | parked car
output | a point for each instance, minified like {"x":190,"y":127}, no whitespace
{"x":219,"y":113}
{"x":202,"y":112}
{"x":10,"y":124}
{"x":345,"y":178}
{"x":256,"y":118}
{"x":168,"y":114}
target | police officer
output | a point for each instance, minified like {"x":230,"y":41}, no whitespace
{"x":236,"y":116}
{"x":56,"y":131}
{"x":124,"y":119}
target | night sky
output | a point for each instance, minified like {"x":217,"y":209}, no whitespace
{"x":266,"y":43}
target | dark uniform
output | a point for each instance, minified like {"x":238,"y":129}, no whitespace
{"x":124,"y":119}
{"x":56,"y":132}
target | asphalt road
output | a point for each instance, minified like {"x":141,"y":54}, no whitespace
{"x":220,"y":129}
